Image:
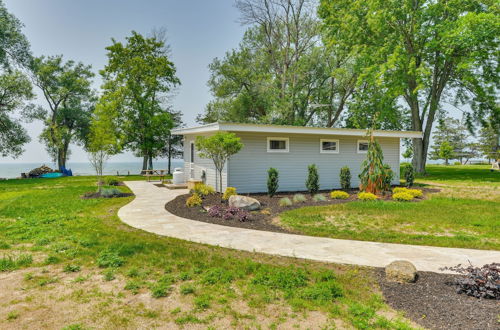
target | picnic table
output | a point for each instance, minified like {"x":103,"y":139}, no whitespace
{"x":159,"y":173}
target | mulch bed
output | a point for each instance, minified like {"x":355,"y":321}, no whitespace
{"x":433,"y":303}
{"x":263,"y":219}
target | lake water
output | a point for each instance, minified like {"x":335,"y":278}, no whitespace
{"x":14,"y":170}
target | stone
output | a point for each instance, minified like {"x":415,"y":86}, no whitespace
{"x":244,"y":202}
{"x":401,"y":271}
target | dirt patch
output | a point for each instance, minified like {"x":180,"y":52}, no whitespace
{"x":433,"y":303}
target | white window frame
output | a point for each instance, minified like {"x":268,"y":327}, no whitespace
{"x":287,"y":142}
{"x":357,"y":146}
{"x":336,"y":151}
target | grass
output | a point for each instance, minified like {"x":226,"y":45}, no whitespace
{"x":76,"y":248}
{"x":462,"y":214}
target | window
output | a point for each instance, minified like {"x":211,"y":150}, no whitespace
{"x":362,"y":146}
{"x":277,"y":144}
{"x":329,"y":146}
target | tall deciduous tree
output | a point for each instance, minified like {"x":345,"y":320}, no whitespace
{"x":138,"y":80}
{"x":15,"y":88}
{"x":174,"y":147}
{"x":281,"y":72}
{"x":423,"y":52}
{"x":66,"y":87}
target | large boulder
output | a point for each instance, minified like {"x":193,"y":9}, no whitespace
{"x":244,"y":202}
{"x":401,"y":271}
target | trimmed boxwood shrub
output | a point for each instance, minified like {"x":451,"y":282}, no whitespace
{"x":339,"y":194}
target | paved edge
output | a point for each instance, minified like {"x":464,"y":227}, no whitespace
{"x":147,"y":212}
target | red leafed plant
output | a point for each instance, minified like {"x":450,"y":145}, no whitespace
{"x":479,"y":282}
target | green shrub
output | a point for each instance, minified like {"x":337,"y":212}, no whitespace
{"x":230,"y":191}
{"x":339,"y":194}
{"x":365,"y":196}
{"x":387,"y":177}
{"x":109,"y":259}
{"x":312,"y":182}
{"x":409,"y":175}
{"x":272,"y":181}
{"x":299,"y":198}
{"x":194,"y":200}
{"x":112,"y":181}
{"x":285,"y":201}
{"x":319,"y":198}
{"x":402,"y":196}
{"x":110,"y":192}
{"x":345,"y":178}
{"x":202,"y":189}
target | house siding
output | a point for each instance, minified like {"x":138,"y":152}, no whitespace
{"x":248,"y":169}
{"x":201,"y":164}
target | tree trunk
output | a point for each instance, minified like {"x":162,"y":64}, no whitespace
{"x":169,"y":163}
{"x":220,"y":180}
{"x":150,"y":161}
{"x":419,"y":158}
{"x":144,"y":162}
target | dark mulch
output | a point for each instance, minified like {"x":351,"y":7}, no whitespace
{"x":98,"y":195}
{"x":433,"y":303}
{"x":260,"y":220}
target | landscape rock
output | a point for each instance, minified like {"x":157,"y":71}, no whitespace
{"x":244,"y":202}
{"x":401,"y":271}
{"x":39,"y":171}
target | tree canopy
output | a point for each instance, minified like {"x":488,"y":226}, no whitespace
{"x":137,"y":81}
{"x":424,"y":53}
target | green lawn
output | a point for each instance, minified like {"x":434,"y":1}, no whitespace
{"x":70,"y":262}
{"x":465,"y":213}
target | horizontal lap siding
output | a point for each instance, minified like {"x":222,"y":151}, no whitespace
{"x":201,"y":164}
{"x":248,"y":168}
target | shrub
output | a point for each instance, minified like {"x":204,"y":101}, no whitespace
{"x":230,"y":191}
{"x":339,"y":194}
{"x":228,"y":213}
{"x":312,"y":182}
{"x":479,"y":282}
{"x":319,"y":198}
{"x":110,"y":192}
{"x":202,"y":189}
{"x":399,"y":190}
{"x":193,"y":200}
{"x":365,"y":196}
{"x":345,"y":178}
{"x":387,"y":177}
{"x":272,"y":181}
{"x":402,"y":196}
{"x":299,"y":198}
{"x":417,"y":193}
{"x":409,"y":175}
{"x":285,"y":201}
{"x":109,"y":259}
{"x":374,"y":173}
{"x":112,"y":181}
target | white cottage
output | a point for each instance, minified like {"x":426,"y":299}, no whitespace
{"x":289,"y":149}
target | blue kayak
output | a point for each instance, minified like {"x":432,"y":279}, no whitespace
{"x":51,"y":175}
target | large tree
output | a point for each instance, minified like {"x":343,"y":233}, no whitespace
{"x":174,"y":147}
{"x":489,"y":141}
{"x":281,"y":72}
{"x":452,"y":131}
{"x":66,"y":87}
{"x":15,"y":88}
{"x":138,"y":81}
{"x":425,"y":53}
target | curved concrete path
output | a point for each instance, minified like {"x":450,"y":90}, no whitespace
{"x":147,"y":212}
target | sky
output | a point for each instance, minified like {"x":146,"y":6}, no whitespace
{"x":197,"y":31}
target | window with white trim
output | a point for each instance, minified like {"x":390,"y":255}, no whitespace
{"x":328,"y":146}
{"x":277,"y":144}
{"x":362,"y":146}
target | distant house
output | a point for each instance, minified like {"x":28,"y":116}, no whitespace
{"x":289,"y":149}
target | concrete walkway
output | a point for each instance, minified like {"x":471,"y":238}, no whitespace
{"x":147,"y":212}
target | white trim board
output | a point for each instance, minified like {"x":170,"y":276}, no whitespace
{"x":283,"y":129}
